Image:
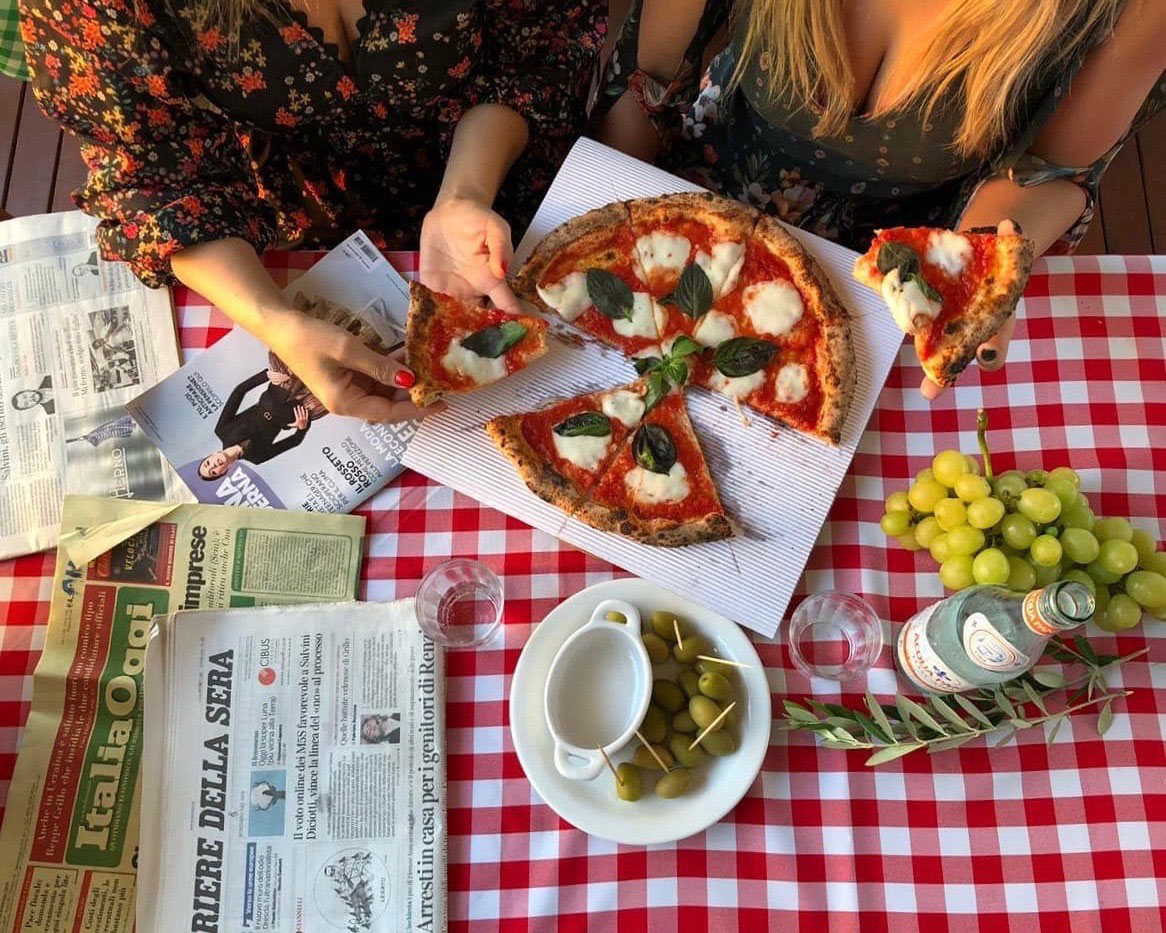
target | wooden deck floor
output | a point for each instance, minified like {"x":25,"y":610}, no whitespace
{"x":40,"y":166}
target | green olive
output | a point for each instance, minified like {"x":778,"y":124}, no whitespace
{"x":693,"y":645}
{"x":643,"y":758}
{"x":657,"y":648}
{"x":662,"y":625}
{"x":614,"y":616}
{"x":716,"y":686}
{"x":630,"y":784}
{"x":689,"y":681}
{"x":690,"y":758}
{"x":666,"y":694}
{"x":674,"y":783}
{"x":704,"y":711}
{"x":682,"y":722}
{"x":654,"y":728}
{"x":703,"y":667}
{"x":719,"y":743}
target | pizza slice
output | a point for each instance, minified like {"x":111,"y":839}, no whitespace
{"x":658,"y":489}
{"x":587,"y":272}
{"x":952,"y":291}
{"x":561,"y":451}
{"x":780,"y":341}
{"x":452,"y":346}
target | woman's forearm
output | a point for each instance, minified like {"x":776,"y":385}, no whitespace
{"x":485,"y":144}
{"x":1044,"y":212}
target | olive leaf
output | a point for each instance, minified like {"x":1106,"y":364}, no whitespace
{"x":693,"y":293}
{"x":657,"y":388}
{"x":925,"y":287}
{"x":610,"y":294}
{"x":646,"y":364}
{"x":743,"y":356}
{"x":891,"y":752}
{"x":654,"y":448}
{"x":684,"y":346}
{"x":898,"y":256}
{"x":1105,"y":720}
{"x":491,"y":342}
{"x":585,"y":424}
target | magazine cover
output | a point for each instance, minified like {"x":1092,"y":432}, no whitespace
{"x":241,"y":429}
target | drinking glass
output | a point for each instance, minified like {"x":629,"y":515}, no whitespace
{"x":834,"y":635}
{"x":459,"y":603}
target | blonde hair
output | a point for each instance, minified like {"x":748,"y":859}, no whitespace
{"x":977,"y":51}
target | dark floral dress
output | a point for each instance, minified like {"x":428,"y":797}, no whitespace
{"x":276,"y":140}
{"x":896,"y":170}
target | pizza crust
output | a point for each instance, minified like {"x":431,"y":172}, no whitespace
{"x":728,"y":219}
{"x":657,"y":532}
{"x":423,"y":311}
{"x":539,"y":475}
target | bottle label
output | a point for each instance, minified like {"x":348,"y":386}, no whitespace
{"x":1030,"y":609}
{"x":988,"y":649}
{"x":918,"y":660}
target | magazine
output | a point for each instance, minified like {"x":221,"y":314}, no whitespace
{"x":225,"y":419}
{"x":82,"y":337}
{"x":299,"y":772}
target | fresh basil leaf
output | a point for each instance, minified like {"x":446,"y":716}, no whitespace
{"x":491,"y":342}
{"x":646,"y":364}
{"x":654,"y":448}
{"x":684,"y":346}
{"x":676,"y":370}
{"x":693,"y":294}
{"x":657,"y":389}
{"x":585,"y":424}
{"x":610,"y":294}
{"x":925,"y":286}
{"x":743,"y":356}
{"x":898,"y":256}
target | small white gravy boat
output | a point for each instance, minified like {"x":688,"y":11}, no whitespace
{"x":598,"y":689}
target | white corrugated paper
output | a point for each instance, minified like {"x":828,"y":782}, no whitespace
{"x":776,"y":483}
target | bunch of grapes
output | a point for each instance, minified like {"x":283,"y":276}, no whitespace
{"x":1027,"y":530}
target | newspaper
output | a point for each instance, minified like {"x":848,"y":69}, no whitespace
{"x":68,"y":847}
{"x":224,"y":420}
{"x":81,"y":337}
{"x":298,"y":758}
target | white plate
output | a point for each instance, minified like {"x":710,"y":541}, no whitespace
{"x":593,"y":806}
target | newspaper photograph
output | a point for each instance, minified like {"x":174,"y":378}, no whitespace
{"x":241,"y":429}
{"x":69,"y":843}
{"x":82,"y":337}
{"x":300,"y":777}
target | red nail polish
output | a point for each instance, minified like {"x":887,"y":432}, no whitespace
{"x":404,"y":378}
{"x":505,"y":267}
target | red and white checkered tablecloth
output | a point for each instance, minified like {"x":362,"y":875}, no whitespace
{"x":1026,"y":837}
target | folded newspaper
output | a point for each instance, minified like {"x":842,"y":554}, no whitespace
{"x":298,"y":772}
{"x":69,"y":843}
{"x":228,"y":420}
{"x":81,"y":338}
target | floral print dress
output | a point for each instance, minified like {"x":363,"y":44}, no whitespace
{"x":895,"y":170}
{"x":191,"y":137}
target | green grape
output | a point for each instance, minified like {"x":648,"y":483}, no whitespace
{"x":1063,"y":490}
{"x":1018,"y":531}
{"x":984,"y":513}
{"x":1053,"y":531}
{"x":1113,"y":529}
{"x":1147,"y":589}
{"x":1021,"y":576}
{"x":973,"y":464}
{"x":1008,"y":486}
{"x":924,"y":475}
{"x":925,"y":494}
{"x":1080,"y":546}
{"x":1144,"y":542}
{"x":940,"y":548}
{"x":1101,"y":574}
{"x":927,"y":531}
{"x":1155,"y":562}
{"x":1045,"y":550}
{"x":950,"y":513}
{"x":898,"y":502}
{"x":956,"y":572}
{"x":1122,"y":613}
{"x":965,"y":540}
{"x":1046,"y":575}
{"x":908,"y":541}
{"x":1034,"y":478}
{"x":1068,"y":474}
{"x":894,"y":524}
{"x":949,"y":466}
{"x":1100,"y":600}
{"x":972,"y":488}
{"x":991,"y":566}
{"x":1118,"y":557}
{"x":1040,"y":505}
{"x":1083,"y":501}
{"x":1080,"y":576}
{"x":1077,"y":517}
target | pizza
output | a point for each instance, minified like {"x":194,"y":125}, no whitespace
{"x":951,"y":290}
{"x":452,"y":346}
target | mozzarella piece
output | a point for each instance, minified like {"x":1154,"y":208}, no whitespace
{"x":791,"y":384}
{"x":568,"y":297}
{"x":645,"y":317}
{"x":950,"y":251}
{"x":714,"y":329}
{"x":736,"y":387}
{"x":656,"y":488}
{"x":723,"y":266}
{"x":663,"y":252}
{"x":624,"y":406}
{"x":773,"y":307}
{"x":467,"y":363}
{"x":584,"y":451}
{"x":909,"y":306}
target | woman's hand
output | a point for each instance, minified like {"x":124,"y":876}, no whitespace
{"x":300,"y":422}
{"x":466,"y":252}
